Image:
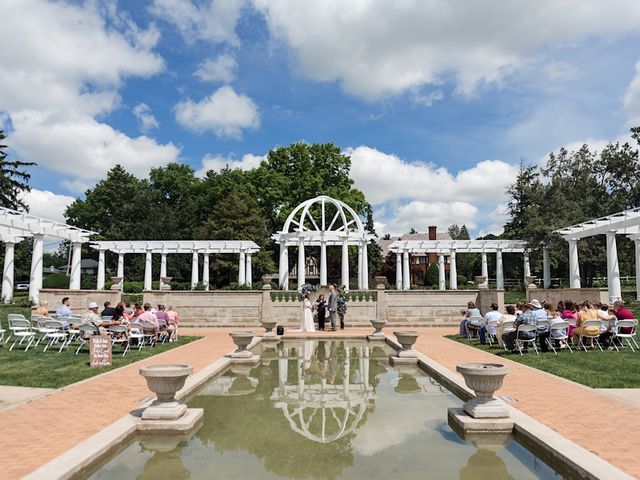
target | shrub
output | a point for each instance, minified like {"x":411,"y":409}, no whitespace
{"x":57,"y":280}
{"x":432,"y":277}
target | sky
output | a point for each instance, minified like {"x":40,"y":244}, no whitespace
{"x":437,"y":102}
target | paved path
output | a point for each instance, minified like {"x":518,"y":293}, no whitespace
{"x":12,"y":396}
{"x":34,"y":433}
{"x":598,"y":422}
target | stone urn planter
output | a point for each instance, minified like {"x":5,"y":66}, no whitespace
{"x":484,"y":379}
{"x":381,"y":281}
{"x":481,"y":282}
{"x":378,"y":325}
{"x":165,"y":380}
{"x":242,"y":341}
{"x":116,"y":283}
{"x":531,"y":282}
{"x":269,"y":325}
{"x":165,"y":283}
{"x":407,"y":339}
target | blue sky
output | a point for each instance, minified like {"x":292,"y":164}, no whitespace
{"x":436,"y":101}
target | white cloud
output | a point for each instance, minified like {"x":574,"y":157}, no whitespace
{"x":221,"y":69}
{"x":211,"y":20}
{"x":379,"y":48}
{"x":59,"y":55}
{"x":631,"y":100}
{"x":218,"y":162}
{"x":225,"y":113}
{"x":146,"y":118}
{"x":82,"y":148}
{"x":46,"y":204}
{"x":385,"y":177}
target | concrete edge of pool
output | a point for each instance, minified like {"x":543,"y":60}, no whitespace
{"x":533,"y":435}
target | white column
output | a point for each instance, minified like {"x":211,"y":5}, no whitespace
{"x":406,"y":277}
{"x":100,"y":280}
{"x":242,"y":263}
{"x":76,"y":263}
{"x":365,"y":267}
{"x":163,"y":265}
{"x":453,"y":272}
{"x":35,"y":280}
{"x":8,"y":271}
{"x":148,"y":265}
{"x":637,"y":245}
{"x":248,"y":273}
{"x":613,"y":269}
{"x":398,"y":271}
{"x":345,"y":264}
{"x":121,"y":265}
{"x":302,"y":269}
{"x":484,"y":266}
{"x":499,"y":272}
{"x":195,"y":265}
{"x":323,"y":262}
{"x":546,"y":269}
{"x":442,"y":284}
{"x":574,"y":266}
{"x":205,"y":271}
{"x":359,"y":267}
{"x":283,"y":276}
{"x":526,"y":267}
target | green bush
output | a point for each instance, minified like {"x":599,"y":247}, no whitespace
{"x":462,"y":281}
{"x":432,"y":277}
{"x":56,"y":280}
{"x":132,"y":298}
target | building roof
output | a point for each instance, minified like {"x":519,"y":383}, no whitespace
{"x":385,"y":244}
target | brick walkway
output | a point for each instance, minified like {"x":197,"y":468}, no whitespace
{"x":35,"y":433}
{"x":600,"y":423}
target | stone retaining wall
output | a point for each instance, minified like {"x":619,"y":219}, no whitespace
{"x":79,"y":299}
{"x":554,"y":295}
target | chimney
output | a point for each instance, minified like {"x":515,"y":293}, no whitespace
{"x":432,"y":257}
{"x":432,"y":232}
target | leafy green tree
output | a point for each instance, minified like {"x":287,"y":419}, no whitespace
{"x":466,"y":263}
{"x":14,"y":180}
{"x":432,"y":277}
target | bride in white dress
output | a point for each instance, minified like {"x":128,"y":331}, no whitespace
{"x":306,"y":317}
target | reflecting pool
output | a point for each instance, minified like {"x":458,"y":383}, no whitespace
{"x":328,"y":409}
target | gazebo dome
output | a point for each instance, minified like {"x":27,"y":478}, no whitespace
{"x":344,"y":219}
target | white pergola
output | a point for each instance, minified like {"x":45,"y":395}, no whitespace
{"x":621,"y":223}
{"x":404,"y":248}
{"x":15,"y":226}
{"x":244,"y":248}
{"x":337,"y":224}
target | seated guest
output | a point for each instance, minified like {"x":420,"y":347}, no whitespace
{"x":493,"y":316}
{"x":538,"y":310}
{"x":623,"y":313}
{"x":64,"y":310}
{"x":587,"y":312}
{"x":138,"y":310}
{"x":553,"y":317}
{"x":525,"y":318}
{"x":172,"y":326}
{"x":43,"y":308}
{"x":507,"y":317}
{"x":163,"y":318}
{"x":108,"y":310}
{"x":118,"y":314}
{"x":91,"y":317}
{"x":607,"y":325}
{"x":147,"y":316}
{"x":519,"y":308}
{"x":128,"y":311}
{"x":471,"y":311}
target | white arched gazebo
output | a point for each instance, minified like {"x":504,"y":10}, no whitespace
{"x":320,"y":222}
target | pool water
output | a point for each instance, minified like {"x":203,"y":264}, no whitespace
{"x":330,"y":409}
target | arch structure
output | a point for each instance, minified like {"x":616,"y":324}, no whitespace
{"x":15,"y":226}
{"x":321,"y":222}
{"x":622,"y":223}
{"x":243,"y":248}
{"x":321,"y":411}
{"x":404,"y":248}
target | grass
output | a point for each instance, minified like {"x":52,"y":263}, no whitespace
{"x":514,"y":296}
{"x":51,"y":369}
{"x":596,"y":369}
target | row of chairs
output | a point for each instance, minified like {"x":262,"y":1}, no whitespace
{"x":624,"y":331}
{"x":61,"y":333}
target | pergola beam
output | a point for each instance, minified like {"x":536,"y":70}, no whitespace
{"x":626,"y":222}
{"x":30,"y":224}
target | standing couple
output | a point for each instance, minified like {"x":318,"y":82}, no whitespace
{"x":306,"y":320}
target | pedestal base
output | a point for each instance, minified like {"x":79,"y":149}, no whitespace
{"x":185,"y":423}
{"x":482,"y":409}
{"x":251,"y":360}
{"x":465,"y":425}
{"x":395,"y":360}
{"x":241,"y":354}
{"x":164,"y":411}
{"x":409,"y":353}
{"x":375,"y":337}
{"x":270,"y":337}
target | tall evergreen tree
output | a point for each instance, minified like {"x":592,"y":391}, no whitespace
{"x":14,"y":180}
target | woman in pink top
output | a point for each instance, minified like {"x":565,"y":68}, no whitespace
{"x":172,"y":326}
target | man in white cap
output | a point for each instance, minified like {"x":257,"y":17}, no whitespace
{"x":91,"y":317}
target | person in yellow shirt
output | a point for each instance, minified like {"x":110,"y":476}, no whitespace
{"x":587,"y":312}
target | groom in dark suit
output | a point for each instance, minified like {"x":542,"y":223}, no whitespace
{"x":332,"y":305}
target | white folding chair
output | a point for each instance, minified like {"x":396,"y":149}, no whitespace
{"x":492,"y":331}
{"x":136,"y":333}
{"x":146,"y":328}
{"x":593,"y":324}
{"x":2,"y":332}
{"x":522,"y":340}
{"x":163,"y":334}
{"x":476,"y":323}
{"x":20,"y":329}
{"x":559,"y":332}
{"x":84,"y":333}
{"x":55,"y":334}
{"x":38,"y":324}
{"x":507,"y":327}
{"x":119,"y":336}
{"x":106,"y":318}
{"x":629,"y":336}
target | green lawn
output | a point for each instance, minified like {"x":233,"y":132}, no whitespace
{"x":51,"y":369}
{"x":608,"y":369}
